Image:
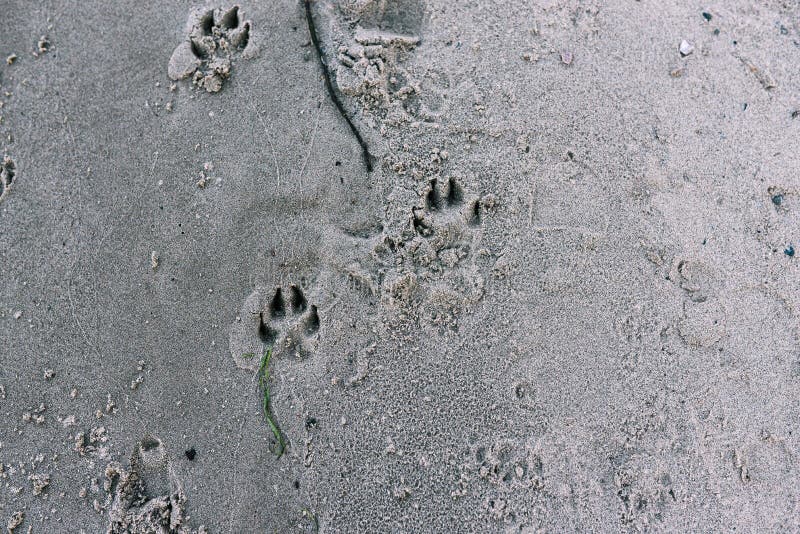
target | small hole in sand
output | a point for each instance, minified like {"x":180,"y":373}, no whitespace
{"x":150,"y":443}
{"x":207,"y":23}
{"x":197,"y":51}
{"x":245,"y":36}
{"x":231,"y":18}
{"x":454,"y":193}
{"x":277,"y":308}
{"x":312,"y":323}
{"x":433,"y":199}
{"x":298,"y":300}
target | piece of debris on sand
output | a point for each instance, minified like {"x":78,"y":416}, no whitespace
{"x":763,"y":77}
{"x":39,"y":483}
{"x":15,"y":520}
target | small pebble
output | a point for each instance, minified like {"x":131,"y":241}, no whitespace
{"x":789,"y":251}
{"x":676,"y":73}
{"x":707,"y":15}
{"x":43,"y":45}
{"x":686,"y":48}
{"x":777,"y":199}
{"x":566,"y":57}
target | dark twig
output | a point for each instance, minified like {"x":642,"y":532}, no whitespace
{"x":327,"y":75}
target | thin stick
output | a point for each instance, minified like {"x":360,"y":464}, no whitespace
{"x":326,"y":74}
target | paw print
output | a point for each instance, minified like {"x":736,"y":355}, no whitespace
{"x":7,"y":169}
{"x":303,"y":319}
{"x":445,"y":205}
{"x":445,"y":223}
{"x":510,"y":465}
{"x":148,"y":496}
{"x":205,"y":56}
{"x":285,"y":321}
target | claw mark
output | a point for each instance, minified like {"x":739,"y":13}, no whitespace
{"x":326,"y":74}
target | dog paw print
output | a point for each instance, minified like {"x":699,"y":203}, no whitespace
{"x":281,"y":320}
{"x":7,"y":171}
{"x":213,"y":37}
{"x":644,"y":495}
{"x":509,"y":465}
{"x":288,"y":320}
{"x":148,"y":496}
{"x":445,"y":220}
{"x":444,"y":201}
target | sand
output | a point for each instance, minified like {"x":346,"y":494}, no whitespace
{"x":564,"y":298}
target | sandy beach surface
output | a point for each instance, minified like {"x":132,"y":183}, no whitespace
{"x":400,"y":266}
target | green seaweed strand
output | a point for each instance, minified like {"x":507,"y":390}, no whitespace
{"x":263,"y":382}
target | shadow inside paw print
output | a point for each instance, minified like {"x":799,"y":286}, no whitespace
{"x":277,"y":319}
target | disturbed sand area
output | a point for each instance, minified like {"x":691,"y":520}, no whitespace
{"x":565,"y":298}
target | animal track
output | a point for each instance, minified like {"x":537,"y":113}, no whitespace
{"x":446,"y":199}
{"x":426,"y":266}
{"x":7,"y":172}
{"x":508,"y":473}
{"x":644,"y":495}
{"x":148,"y":497}
{"x":697,"y":279}
{"x":445,"y":221}
{"x":214,"y":35}
{"x":269,"y":331}
{"x":507,"y":464}
{"x":369,"y":41}
{"x":428,"y":102}
{"x":283,"y":321}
